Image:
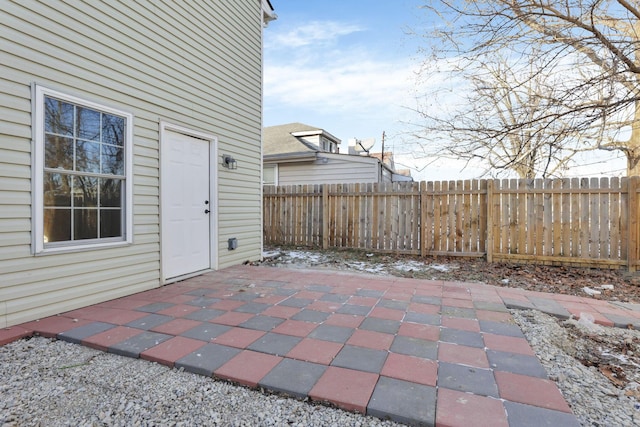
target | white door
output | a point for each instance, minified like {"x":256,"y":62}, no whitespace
{"x":186,"y":205}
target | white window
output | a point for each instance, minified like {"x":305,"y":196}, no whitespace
{"x":325,"y":144}
{"x":328,"y":146}
{"x":82,"y":173}
{"x":270,"y":175}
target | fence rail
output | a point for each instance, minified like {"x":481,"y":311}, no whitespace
{"x":580,"y":221}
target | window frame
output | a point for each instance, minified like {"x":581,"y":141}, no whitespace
{"x":273,"y":166}
{"x":38,"y":170}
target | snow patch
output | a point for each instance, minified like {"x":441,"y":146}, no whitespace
{"x":308,"y":256}
{"x":440,"y":267}
{"x":367,"y":267}
{"x":408,"y":265}
{"x":587,"y":290}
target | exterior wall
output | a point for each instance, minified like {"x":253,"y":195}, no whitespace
{"x":339,"y":169}
{"x":387,"y":176}
{"x":194,"y":64}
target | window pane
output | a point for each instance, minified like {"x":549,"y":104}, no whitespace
{"x":113,"y":129}
{"x":88,"y":124}
{"x":58,"y":117}
{"x":85,"y":191}
{"x":110,"y":223}
{"x":58,"y":152}
{"x":57,"y":189}
{"x":112,"y":159}
{"x":57,"y":225}
{"x":85,"y":224}
{"x":111,"y":193}
{"x":269,"y":175}
{"x":88,"y":156}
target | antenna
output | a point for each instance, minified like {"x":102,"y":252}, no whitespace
{"x":359,"y":146}
{"x":365,"y":144}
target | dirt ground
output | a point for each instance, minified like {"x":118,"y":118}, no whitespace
{"x":611,"y":285}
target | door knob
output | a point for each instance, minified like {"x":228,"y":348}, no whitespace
{"x":206,"y":202}
{"x":206,"y":211}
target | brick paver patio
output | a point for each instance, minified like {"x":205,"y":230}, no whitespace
{"x":416,"y":351}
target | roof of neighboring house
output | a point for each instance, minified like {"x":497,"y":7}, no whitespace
{"x":286,"y":143}
{"x":285,"y":140}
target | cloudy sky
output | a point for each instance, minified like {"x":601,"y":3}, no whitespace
{"x":344,"y":66}
{"x":349,"y":67}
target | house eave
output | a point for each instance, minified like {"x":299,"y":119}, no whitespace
{"x":268,"y":13}
{"x":290,"y":157}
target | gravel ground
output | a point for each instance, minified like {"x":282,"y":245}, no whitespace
{"x":50,"y":383}
{"x":596,"y":375}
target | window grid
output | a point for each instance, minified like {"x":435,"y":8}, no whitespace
{"x":74,"y":175}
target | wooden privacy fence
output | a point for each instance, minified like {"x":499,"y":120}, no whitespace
{"x":580,"y":221}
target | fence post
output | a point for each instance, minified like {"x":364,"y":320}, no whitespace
{"x":325,"y":215}
{"x":489,"y":221}
{"x":632,"y":248}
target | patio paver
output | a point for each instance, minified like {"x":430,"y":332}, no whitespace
{"x":248,"y":367}
{"x":206,"y":359}
{"x":346,"y":388}
{"x":294,"y":377}
{"x":403,"y":401}
{"x":360,"y":359}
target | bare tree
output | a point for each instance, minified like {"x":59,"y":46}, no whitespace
{"x":547,"y":79}
{"x":485,"y":122}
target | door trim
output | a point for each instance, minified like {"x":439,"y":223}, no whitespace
{"x":213,"y":195}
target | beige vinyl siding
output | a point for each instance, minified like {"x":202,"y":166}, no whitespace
{"x":339,"y":169}
{"x":195,"y":64}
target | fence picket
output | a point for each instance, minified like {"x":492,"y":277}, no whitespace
{"x":437,"y":217}
{"x":605,"y":237}
{"x":565,"y":235}
{"x":504,"y":224}
{"x":594,"y":213}
{"x":483,"y":202}
{"x":521,"y":222}
{"x":556,"y":202}
{"x":513,"y":217}
{"x":614,"y":219}
{"x":575,"y":218}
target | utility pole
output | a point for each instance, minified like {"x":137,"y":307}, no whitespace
{"x":383,"y":135}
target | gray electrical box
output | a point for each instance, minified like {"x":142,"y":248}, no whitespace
{"x":233,"y":243}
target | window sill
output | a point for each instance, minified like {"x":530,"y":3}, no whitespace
{"x":81,"y":248}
